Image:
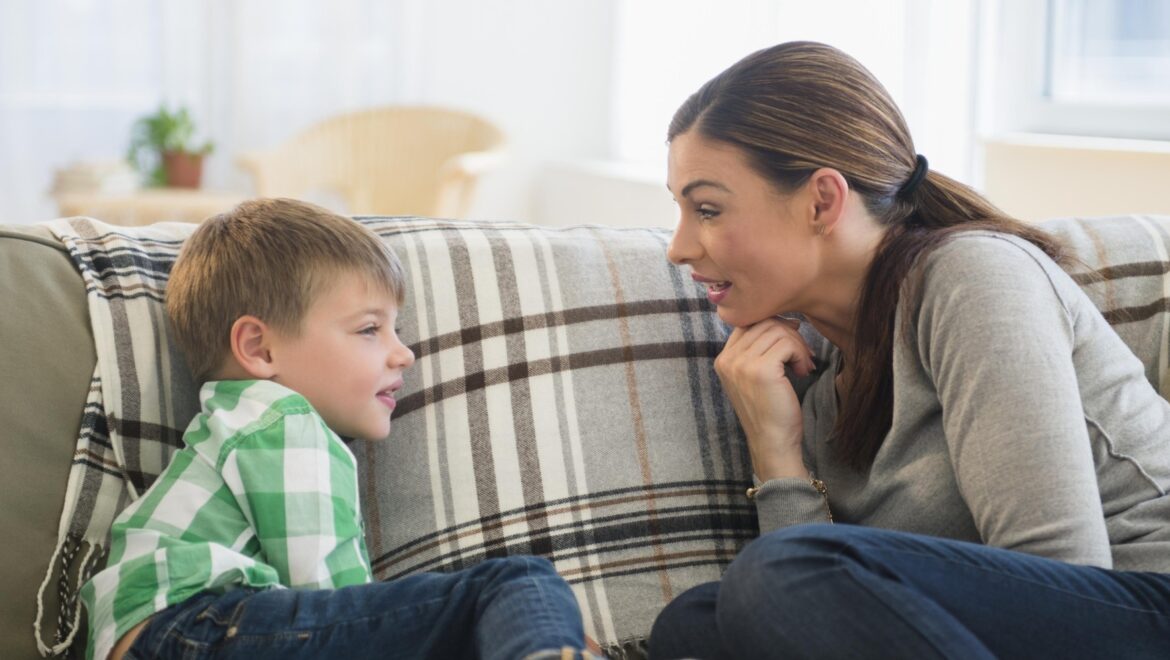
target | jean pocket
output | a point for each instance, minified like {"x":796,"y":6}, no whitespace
{"x":224,"y":609}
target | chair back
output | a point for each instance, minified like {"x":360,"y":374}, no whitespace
{"x":396,"y":160}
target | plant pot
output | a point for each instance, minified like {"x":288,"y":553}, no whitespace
{"x":184,"y":170}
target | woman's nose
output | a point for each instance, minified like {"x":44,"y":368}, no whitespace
{"x":682,"y":248}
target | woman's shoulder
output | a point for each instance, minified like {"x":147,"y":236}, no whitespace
{"x":986,"y":250}
{"x":981,"y":258}
{"x":975,"y":273}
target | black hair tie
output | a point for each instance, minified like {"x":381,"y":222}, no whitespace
{"x":920,"y":168}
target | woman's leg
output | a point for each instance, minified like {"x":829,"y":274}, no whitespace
{"x":502,"y":608}
{"x":686,"y":627}
{"x":843,"y":591}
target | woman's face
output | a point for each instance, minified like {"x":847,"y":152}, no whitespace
{"x":752,"y":247}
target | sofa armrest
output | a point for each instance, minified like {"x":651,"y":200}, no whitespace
{"x":47,"y":359}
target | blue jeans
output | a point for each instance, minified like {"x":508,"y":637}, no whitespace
{"x":840,"y":591}
{"x":516,"y":607}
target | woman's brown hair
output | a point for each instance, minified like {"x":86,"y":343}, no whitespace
{"x":800,"y":106}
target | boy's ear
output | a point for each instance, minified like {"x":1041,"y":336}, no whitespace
{"x":250,"y":342}
{"x":829,"y":190}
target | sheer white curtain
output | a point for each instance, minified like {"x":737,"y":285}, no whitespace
{"x":74,"y":74}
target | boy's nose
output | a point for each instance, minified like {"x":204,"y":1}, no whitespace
{"x":401,"y":357}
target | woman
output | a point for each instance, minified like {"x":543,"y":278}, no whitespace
{"x":996,"y":449}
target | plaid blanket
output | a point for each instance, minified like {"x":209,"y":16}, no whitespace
{"x":140,"y":398}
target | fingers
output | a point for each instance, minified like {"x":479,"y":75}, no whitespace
{"x":775,"y":340}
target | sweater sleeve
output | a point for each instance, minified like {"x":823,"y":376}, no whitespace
{"x":998,"y":339}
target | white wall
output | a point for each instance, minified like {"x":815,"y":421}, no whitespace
{"x":540,"y":69}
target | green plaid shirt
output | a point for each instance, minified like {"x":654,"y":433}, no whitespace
{"x":264,"y":494}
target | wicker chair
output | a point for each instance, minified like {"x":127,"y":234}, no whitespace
{"x":396,"y":160}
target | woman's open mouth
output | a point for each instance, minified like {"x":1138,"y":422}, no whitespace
{"x":716,"y":290}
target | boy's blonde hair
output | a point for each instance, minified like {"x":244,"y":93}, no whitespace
{"x":269,"y":258}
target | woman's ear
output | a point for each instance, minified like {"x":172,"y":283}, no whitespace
{"x":250,"y":342}
{"x":829,"y":192}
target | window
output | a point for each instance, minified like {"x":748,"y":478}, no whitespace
{"x":1101,"y":68}
{"x":1115,"y":52}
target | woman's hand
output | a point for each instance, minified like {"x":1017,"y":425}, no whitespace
{"x":751,"y":368}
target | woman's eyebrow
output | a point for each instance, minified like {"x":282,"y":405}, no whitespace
{"x":699,"y":183}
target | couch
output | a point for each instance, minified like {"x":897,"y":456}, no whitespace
{"x":563,"y":404}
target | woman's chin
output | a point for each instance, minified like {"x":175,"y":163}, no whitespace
{"x":736,"y":318}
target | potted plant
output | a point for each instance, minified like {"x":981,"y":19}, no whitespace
{"x":163,"y":150}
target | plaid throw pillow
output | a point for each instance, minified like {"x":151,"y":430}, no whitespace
{"x":563,"y":404}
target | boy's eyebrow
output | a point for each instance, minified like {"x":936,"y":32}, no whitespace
{"x":375,"y":311}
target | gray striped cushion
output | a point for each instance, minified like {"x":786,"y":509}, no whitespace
{"x":563,"y":404}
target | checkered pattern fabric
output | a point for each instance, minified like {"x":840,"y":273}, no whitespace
{"x":264,"y":495}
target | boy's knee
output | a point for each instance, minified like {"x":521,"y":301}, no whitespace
{"x":518,"y":566}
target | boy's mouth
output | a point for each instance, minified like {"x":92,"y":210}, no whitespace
{"x":386,"y":396}
{"x":387,"y":399}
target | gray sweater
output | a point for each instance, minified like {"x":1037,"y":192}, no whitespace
{"x":1021,"y":420}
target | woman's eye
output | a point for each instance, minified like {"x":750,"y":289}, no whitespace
{"x":706,"y":213}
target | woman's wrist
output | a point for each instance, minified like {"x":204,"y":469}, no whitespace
{"x":798,"y":471}
{"x":778,"y":459}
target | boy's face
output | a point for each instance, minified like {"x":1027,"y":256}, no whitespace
{"x":347,"y":360}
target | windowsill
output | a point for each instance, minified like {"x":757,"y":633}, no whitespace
{"x":1089,"y":143}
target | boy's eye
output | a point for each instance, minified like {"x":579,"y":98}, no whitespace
{"x":369,"y":330}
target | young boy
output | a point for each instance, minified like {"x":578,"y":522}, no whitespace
{"x":250,"y":544}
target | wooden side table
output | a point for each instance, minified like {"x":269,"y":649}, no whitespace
{"x":147,"y":206}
